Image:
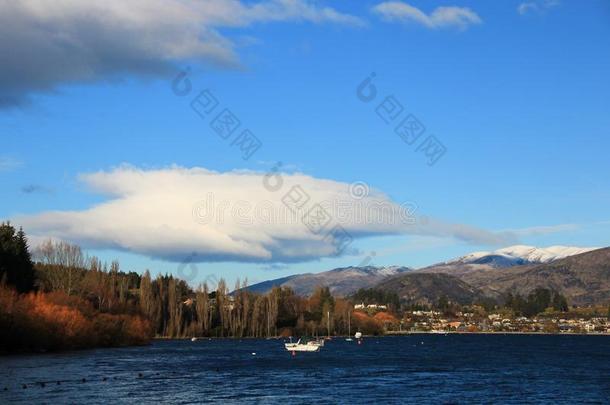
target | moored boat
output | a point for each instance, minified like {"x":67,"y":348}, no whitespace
{"x":311,"y":346}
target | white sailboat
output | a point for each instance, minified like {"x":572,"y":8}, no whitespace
{"x":349,"y":327}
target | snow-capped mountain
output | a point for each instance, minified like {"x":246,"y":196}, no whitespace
{"x":520,"y":254}
{"x":347,"y":280}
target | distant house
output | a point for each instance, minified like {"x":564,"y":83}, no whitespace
{"x":370,"y":306}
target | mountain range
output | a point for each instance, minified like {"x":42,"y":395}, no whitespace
{"x":520,"y":254}
{"x":581,"y":274}
{"x":341,"y":282}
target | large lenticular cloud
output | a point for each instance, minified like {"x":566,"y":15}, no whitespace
{"x":235,"y":216}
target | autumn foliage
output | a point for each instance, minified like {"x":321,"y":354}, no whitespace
{"x":366,"y":324}
{"x":386,"y":318}
{"x":54,"y":321}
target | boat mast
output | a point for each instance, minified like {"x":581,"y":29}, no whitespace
{"x":328,"y":321}
{"x":349,"y":323}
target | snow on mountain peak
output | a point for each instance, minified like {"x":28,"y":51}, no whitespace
{"x":526,"y":253}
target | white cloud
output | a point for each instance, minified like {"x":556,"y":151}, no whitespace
{"x":536,"y":6}
{"x":173,"y":212}
{"x":524,"y":8}
{"x":47,"y":43}
{"x":440,"y":17}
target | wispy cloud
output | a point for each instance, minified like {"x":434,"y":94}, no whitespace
{"x":536,"y":6}
{"x":53,"y":43}
{"x":159,"y":213}
{"x":35,"y":188}
{"x":275,"y":267}
{"x":545,"y":229}
{"x":440,"y":17}
{"x":8,"y":163}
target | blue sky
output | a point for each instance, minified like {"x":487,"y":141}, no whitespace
{"x":521,"y":101}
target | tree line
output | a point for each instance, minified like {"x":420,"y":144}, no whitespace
{"x":176,"y":310}
{"x":59,"y":303}
{"x":92,"y":294}
{"x":115,"y":307}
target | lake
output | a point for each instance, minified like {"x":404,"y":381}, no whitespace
{"x":415,"y":368}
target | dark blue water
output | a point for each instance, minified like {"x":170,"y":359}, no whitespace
{"x":417,"y":368}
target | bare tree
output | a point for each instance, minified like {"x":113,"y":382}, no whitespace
{"x":202,"y":308}
{"x":67,"y":261}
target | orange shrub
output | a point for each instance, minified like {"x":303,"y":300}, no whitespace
{"x":39,"y":321}
{"x":385,"y":317}
{"x":366,"y":324}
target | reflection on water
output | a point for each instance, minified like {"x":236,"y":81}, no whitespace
{"x":418,"y":368}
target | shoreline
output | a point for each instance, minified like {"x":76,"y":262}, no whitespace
{"x":391,"y":334}
{"x":495,"y":333}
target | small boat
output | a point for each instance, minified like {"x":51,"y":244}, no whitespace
{"x":358,"y":335}
{"x":302,"y":347}
{"x":194,"y":339}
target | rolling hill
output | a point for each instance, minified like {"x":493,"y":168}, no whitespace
{"x":428,"y":288}
{"x":341,"y":281}
{"x":512,"y":256}
{"x":584,"y":278}
{"x":580,"y":274}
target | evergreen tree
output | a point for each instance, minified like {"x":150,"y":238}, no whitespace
{"x":559,"y":302}
{"x":16,"y":267}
